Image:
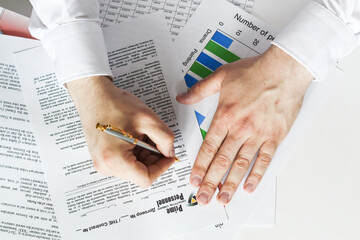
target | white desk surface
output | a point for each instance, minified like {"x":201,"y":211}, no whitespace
{"x":318,"y":192}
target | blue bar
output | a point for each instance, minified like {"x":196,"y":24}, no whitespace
{"x":190,"y":80}
{"x":200,"y":118}
{"x":222,"y":39}
{"x":208,"y":61}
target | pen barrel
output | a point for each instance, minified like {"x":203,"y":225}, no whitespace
{"x":120,"y":135}
{"x":147,"y":146}
{"x":132,"y":140}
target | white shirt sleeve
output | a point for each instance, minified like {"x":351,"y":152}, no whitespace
{"x":71,"y":33}
{"x":322,"y":34}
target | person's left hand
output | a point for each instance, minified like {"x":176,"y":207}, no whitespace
{"x":260,"y":98}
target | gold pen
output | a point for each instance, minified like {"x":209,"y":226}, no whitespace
{"x":116,"y":132}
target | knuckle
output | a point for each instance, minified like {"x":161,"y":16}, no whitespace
{"x":231,"y":137}
{"x":280,"y":131}
{"x":145,"y":115}
{"x":264,"y":159}
{"x":226,"y":115}
{"x":259,"y":131}
{"x":220,"y":71}
{"x":273,"y":144}
{"x":197,"y":87}
{"x":222,"y":161}
{"x":244,"y":125}
{"x":209,"y":185}
{"x":198,"y":169}
{"x":209,"y":148}
{"x":256,"y":176}
{"x":246,"y":152}
{"x":242,"y":163}
{"x":230,"y":186}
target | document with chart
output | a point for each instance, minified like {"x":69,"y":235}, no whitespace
{"x":219,"y":33}
{"x":206,"y":45}
{"x":219,"y":42}
{"x":91,"y":205}
{"x":177,"y":12}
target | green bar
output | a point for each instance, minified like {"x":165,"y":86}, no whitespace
{"x":221,"y":52}
{"x":203,"y":133}
{"x":200,"y":70}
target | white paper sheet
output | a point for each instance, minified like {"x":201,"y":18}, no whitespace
{"x":177,"y":12}
{"x":210,"y":18}
{"x":26,"y":210}
{"x":264,"y":214}
{"x":90,"y":205}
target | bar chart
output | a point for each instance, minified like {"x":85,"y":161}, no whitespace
{"x":220,"y":50}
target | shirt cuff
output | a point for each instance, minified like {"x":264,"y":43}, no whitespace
{"x":317,"y":39}
{"x":77,"y":50}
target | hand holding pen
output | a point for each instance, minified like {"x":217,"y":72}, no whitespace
{"x":127,"y":137}
{"x":112,"y":156}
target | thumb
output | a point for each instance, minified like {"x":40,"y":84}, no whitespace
{"x":203,"y":88}
{"x":161,"y":135}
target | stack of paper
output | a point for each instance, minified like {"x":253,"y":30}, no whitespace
{"x":69,"y":199}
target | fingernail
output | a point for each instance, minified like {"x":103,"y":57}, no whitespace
{"x":195,"y":181}
{"x":224,"y":198}
{"x":181,"y":95}
{"x":249,"y":188}
{"x":172,"y":152}
{"x":203,"y":198}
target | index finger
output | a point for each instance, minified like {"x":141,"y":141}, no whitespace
{"x":207,"y":152}
{"x":159,"y":133}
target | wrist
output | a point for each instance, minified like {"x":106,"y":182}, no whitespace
{"x":91,"y":98}
{"x":88,"y":87}
{"x":282,"y":71}
{"x":285,"y":67}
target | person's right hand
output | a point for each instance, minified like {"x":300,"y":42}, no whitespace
{"x":97,"y":99}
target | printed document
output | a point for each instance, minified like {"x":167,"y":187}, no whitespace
{"x":177,"y":12}
{"x":88,"y":204}
{"x":26,"y":207}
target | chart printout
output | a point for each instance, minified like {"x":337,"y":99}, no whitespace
{"x":89,"y":204}
{"x":267,"y":206}
{"x":177,"y":12}
{"x":224,"y":41}
{"x":218,"y":34}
